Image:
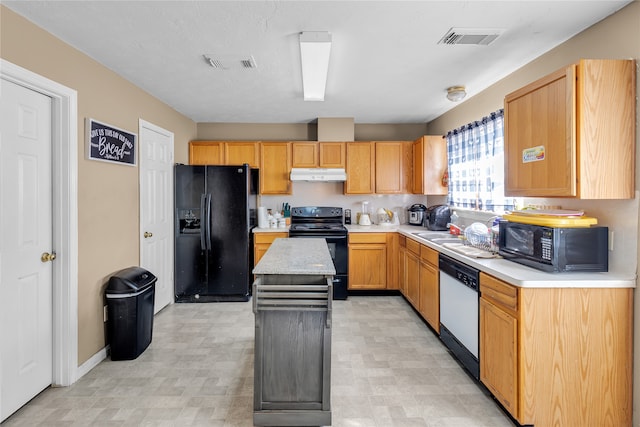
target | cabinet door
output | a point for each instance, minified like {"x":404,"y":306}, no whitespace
{"x":332,"y":154}
{"x":392,"y":261}
{"x":402,"y":254}
{"x":262,"y":242}
{"x":275,"y":168}
{"x":304,"y":154}
{"x":393,"y":167}
{"x":498,"y":358}
{"x":429,"y":165}
{"x":206,"y":153}
{"x":360,"y":168}
{"x":238,"y":153}
{"x":429,"y":287}
{"x":540,"y":137}
{"x":412,"y":278}
{"x":368,"y":261}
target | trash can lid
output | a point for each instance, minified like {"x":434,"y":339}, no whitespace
{"x":132,"y":279}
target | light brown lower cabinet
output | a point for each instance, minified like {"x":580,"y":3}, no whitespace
{"x":412,"y":273}
{"x":429,"y":294}
{"x":368,"y":261}
{"x":558,"y":356}
{"x":402,"y":254}
{"x":262,"y":242}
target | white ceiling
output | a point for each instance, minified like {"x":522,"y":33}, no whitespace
{"x":386,"y":64}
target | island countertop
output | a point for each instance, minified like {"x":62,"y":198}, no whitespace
{"x":296,"y":256}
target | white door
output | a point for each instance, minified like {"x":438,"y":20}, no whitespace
{"x":156,"y":209}
{"x":26,"y":271}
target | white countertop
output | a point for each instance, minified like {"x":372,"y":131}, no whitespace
{"x":509,"y":271}
{"x":523,"y":276}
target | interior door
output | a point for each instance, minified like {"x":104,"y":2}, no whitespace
{"x":156,"y":209}
{"x":26,"y":270}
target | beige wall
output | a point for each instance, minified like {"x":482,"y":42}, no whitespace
{"x":617,"y":37}
{"x":107,"y":193}
{"x":305,"y":131}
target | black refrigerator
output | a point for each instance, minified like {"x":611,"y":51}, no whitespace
{"x":215,"y":210}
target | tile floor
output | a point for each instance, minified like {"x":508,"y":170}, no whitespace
{"x":388,"y":370}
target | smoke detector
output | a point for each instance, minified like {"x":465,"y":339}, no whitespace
{"x":471,"y":36}
{"x":230,"y":62}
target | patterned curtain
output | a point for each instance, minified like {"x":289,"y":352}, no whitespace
{"x":476,"y":165}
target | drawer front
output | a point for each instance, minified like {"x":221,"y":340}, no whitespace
{"x":268,"y":237}
{"x":429,"y":255}
{"x":367,"y":237}
{"x":413,"y":246}
{"x":499,"y":292}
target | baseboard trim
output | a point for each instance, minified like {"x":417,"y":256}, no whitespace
{"x":91,"y":363}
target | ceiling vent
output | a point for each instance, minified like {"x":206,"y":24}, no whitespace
{"x":471,"y":36}
{"x":230,"y":62}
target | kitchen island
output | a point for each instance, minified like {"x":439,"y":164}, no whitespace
{"x":292,"y":306}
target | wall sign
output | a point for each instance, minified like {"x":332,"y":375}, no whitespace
{"x":110,"y":144}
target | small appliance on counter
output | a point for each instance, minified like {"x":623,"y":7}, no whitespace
{"x":554,"y":241}
{"x":437,"y":217}
{"x":364,"y":218}
{"x":417,"y":214}
{"x":384,"y":216}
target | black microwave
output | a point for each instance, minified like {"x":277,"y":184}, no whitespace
{"x":555,"y":249}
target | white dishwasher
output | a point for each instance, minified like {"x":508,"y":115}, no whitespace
{"x":459,"y":300}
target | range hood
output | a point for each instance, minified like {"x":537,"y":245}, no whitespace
{"x":318,"y":174}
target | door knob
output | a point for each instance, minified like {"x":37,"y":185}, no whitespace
{"x":147,"y":234}
{"x":46,"y":256}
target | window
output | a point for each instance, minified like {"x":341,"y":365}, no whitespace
{"x":476,"y":165}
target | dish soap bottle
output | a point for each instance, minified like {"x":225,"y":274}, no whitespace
{"x":454,"y":224}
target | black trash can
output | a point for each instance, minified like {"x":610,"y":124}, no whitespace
{"x":130,"y":297}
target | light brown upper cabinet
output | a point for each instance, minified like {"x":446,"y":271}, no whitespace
{"x":275,"y":168}
{"x":360,"y":168}
{"x":572,"y":133}
{"x":206,"y":153}
{"x":304,"y":154}
{"x":332,"y":154}
{"x":318,"y":154}
{"x":224,"y":153}
{"x":393,"y":167}
{"x":430,"y":165}
{"x":238,"y":153}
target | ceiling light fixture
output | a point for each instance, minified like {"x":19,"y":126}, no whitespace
{"x":315,"y":47}
{"x":456,"y":93}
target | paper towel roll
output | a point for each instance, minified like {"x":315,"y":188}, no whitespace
{"x":262,"y":217}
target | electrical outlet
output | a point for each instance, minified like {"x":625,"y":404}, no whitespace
{"x":611,"y":240}
{"x":105,"y":314}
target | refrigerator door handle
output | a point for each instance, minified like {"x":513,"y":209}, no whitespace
{"x":203,"y":224}
{"x":208,"y":238}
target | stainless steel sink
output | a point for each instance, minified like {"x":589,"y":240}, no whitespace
{"x":430,"y":235}
{"x":469,"y":251}
{"x":443,"y":240}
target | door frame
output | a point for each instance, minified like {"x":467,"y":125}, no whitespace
{"x":64,"y":157}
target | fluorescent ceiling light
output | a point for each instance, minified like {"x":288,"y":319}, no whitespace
{"x":315,"y":47}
